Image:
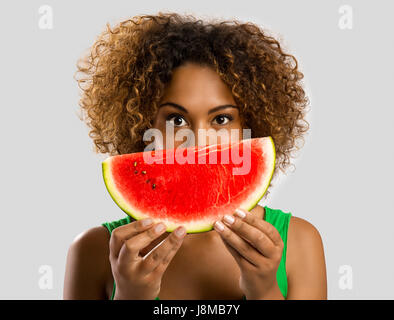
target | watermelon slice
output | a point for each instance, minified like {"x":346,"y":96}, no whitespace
{"x":194,"y":195}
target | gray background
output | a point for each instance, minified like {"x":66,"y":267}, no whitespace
{"x":51,"y":183}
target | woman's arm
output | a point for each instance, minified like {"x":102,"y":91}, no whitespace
{"x":305,"y":262}
{"x":87,"y":265}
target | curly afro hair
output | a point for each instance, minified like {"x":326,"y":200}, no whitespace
{"x":125,"y":73}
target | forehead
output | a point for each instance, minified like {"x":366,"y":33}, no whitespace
{"x":192,"y":85}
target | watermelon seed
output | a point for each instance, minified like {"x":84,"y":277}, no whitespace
{"x":136,"y":171}
{"x":135,"y":163}
{"x":153,"y":186}
{"x":147,"y":181}
{"x":143,"y":172}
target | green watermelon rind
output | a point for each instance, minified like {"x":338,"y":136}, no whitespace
{"x":248,"y":208}
{"x":196,"y":227}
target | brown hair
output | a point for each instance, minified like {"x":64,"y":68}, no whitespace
{"x":127,"y":69}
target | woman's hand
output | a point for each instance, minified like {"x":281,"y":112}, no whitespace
{"x":138,"y":277}
{"x":257,"y":247}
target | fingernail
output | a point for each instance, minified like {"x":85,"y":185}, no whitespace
{"x":240,"y":213}
{"x":159,"y":228}
{"x":180,"y":232}
{"x":219,"y":226}
{"x":229,"y":219}
{"x":146,"y":222}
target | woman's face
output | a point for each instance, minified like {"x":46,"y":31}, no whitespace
{"x":195,"y":99}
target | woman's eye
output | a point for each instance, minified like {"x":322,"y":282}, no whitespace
{"x":222,"y":119}
{"x":177,"y":120}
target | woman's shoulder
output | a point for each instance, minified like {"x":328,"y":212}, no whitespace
{"x":87,"y":265}
{"x":90,"y":245}
{"x":303,"y":232}
{"x":299,"y":229}
{"x":92,"y":238}
{"x":304,"y":247}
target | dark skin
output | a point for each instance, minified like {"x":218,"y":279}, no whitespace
{"x":240,"y":260}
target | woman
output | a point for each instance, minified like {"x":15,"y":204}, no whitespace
{"x":167,"y":68}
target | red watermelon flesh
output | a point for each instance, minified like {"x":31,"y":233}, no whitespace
{"x":194,"y":195}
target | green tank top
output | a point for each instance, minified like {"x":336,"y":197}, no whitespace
{"x":279,"y":219}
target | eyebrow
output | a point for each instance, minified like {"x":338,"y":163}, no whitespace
{"x":175,"y":105}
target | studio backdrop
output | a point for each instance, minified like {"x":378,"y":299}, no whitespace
{"x":52,"y":188}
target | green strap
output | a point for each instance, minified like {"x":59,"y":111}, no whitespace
{"x":111,"y":226}
{"x":280,"y":220}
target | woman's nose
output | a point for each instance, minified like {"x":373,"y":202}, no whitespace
{"x":203,"y":136}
